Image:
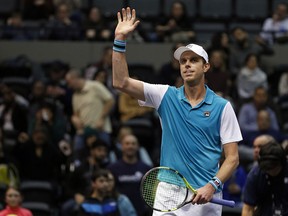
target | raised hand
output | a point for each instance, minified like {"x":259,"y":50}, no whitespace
{"x":127,"y":22}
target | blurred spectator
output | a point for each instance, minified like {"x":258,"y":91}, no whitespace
{"x":129,"y":108}
{"x":77,"y":184}
{"x":275,"y":28}
{"x":177,"y":26}
{"x":169,"y":71}
{"x":15,"y":29}
{"x":61,"y":27}
{"x":264,"y":128}
{"x":220,"y":41}
{"x":116,"y":153}
{"x":105,"y":198}
{"x":247,"y":115}
{"x":33,"y":158}
{"x":233,"y":187}
{"x":92,"y":104}
{"x":37,"y":9}
{"x":266,"y":190}
{"x":49,"y":115}
{"x":128,"y":172}
{"x":241,"y":45}
{"x":56,"y":86}
{"x":250,"y":77}
{"x":124,"y":204}
{"x":13,"y":200}
{"x":96,"y":28}
{"x":13,"y":119}
{"x":217,"y":78}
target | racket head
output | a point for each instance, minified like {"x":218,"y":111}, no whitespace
{"x":164,"y":189}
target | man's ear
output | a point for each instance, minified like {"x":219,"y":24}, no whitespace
{"x":206,"y":67}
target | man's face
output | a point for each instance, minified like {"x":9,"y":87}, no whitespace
{"x":192,"y":67}
{"x":260,"y":97}
{"x":130,"y":145}
{"x":263,"y":120}
{"x":99,"y":153}
{"x":257,"y":144}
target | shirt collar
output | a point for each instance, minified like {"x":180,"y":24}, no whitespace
{"x":208,"y":95}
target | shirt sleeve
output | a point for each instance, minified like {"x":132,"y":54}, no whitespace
{"x":154,"y":94}
{"x":230,"y":130}
{"x":250,"y":195}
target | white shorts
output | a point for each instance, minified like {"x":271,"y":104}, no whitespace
{"x":188,"y":209}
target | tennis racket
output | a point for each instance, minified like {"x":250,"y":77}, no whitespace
{"x":165,"y":189}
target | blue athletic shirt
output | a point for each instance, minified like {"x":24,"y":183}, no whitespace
{"x":192,"y":137}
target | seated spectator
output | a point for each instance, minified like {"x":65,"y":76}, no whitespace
{"x":129,"y":108}
{"x":95,"y":27}
{"x":233,"y":187}
{"x":275,"y":28}
{"x":33,"y":158}
{"x":128,"y":172}
{"x":13,"y":200}
{"x":15,"y":28}
{"x":13,"y":119}
{"x":265,"y":191}
{"x":77,"y":186}
{"x":56,"y":87}
{"x":116,"y":152}
{"x":61,"y":27}
{"x":101,"y":201}
{"x":37,"y":9}
{"x":169,"y":71}
{"x":220,"y":41}
{"x":241,"y":45}
{"x":177,"y":26}
{"x":217,"y":78}
{"x":247,"y":115}
{"x":264,"y":128}
{"x":250,"y":77}
{"x":49,"y":115}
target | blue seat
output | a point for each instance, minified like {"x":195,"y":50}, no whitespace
{"x":215,"y":8}
{"x":148,"y":9}
{"x":205,"y":31}
{"x":109,"y":8}
{"x":251,"y":9}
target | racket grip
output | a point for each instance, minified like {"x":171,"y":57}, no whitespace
{"x":229,"y":203}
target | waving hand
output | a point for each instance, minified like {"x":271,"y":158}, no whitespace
{"x":127,"y":22}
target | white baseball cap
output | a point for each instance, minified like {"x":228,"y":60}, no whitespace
{"x":191,"y":47}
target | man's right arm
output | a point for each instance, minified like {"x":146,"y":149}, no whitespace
{"x":127,"y":23}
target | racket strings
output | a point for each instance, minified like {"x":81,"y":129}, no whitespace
{"x":164,"y":190}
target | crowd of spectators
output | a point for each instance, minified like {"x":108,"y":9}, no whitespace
{"x":86,"y":20}
{"x":65,"y":123}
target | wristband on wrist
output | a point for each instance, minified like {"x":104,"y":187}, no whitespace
{"x":216,"y":183}
{"x":119,"y":46}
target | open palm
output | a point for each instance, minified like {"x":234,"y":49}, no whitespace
{"x":127,"y":22}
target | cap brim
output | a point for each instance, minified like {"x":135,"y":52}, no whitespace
{"x":179,"y":51}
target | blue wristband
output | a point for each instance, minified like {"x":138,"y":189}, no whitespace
{"x":119,"y":46}
{"x":213,"y":184}
{"x":216,"y":183}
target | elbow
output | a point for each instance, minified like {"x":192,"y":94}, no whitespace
{"x":235,"y":161}
{"x":120,"y":85}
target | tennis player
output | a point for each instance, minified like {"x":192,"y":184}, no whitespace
{"x":197,"y":124}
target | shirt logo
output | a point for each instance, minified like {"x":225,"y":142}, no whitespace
{"x":206,"y":113}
